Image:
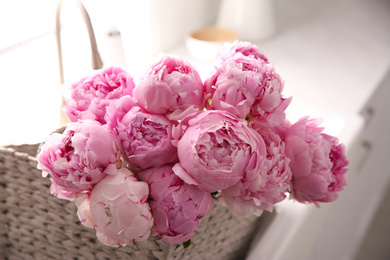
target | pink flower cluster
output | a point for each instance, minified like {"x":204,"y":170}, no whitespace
{"x":149,"y":157}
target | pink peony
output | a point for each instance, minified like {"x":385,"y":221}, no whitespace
{"x":249,"y":88}
{"x":76,"y":159}
{"x":245,"y":48}
{"x":91,"y":95}
{"x":269,"y":186}
{"x":171,"y":86}
{"x":217,"y":150}
{"x":234,"y":85}
{"x":146,"y":138}
{"x":318,"y":162}
{"x":268,"y":109}
{"x":176,"y":206}
{"x":117,"y":208}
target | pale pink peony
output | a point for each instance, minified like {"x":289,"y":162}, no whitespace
{"x":246,"y":48}
{"x":82,"y":202}
{"x":268,"y":109}
{"x":91,"y":95}
{"x":318,"y":162}
{"x":117,"y":208}
{"x":146,"y":138}
{"x":176,"y":206}
{"x":76,"y":159}
{"x":234,"y":85}
{"x":249,"y":88}
{"x":269,"y":186}
{"x":171,"y":86}
{"x":217,"y":150}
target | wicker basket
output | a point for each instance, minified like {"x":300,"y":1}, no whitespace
{"x":37,"y":225}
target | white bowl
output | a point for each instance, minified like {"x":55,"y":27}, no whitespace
{"x":206,"y":43}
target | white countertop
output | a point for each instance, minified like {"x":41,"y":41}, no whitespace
{"x":332,"y":55}
{"x":332,"y":63}
{"x":337,"y":58}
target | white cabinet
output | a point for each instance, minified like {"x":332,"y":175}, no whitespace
{"x":369,"y":178}
{"x":336,"y":230}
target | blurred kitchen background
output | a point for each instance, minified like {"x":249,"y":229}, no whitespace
{"x":334,"y":56}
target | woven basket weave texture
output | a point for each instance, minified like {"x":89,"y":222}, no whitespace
{"x":37,"y":225}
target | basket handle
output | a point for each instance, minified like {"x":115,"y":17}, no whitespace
{"x":96,"y":60}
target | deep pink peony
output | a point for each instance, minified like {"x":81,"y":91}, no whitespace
{"x":117,"y":208}
{"x":146,"y":138}
{"x":318,"y":162}
{"x":269,"y":186}
{"x":76,"y":159}
{"x":217,"y":150}
{"x":171,"y":86}
{"x":176,"y":206}
{"x":246,"y":48}
{"x":91,"y":95}
{"x":248,"y":88}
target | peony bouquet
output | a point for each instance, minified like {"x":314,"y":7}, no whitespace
{"x":152,"y":157}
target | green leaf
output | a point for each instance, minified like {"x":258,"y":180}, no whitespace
{"x":187,"y":243}
{"x":214,"y":194}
